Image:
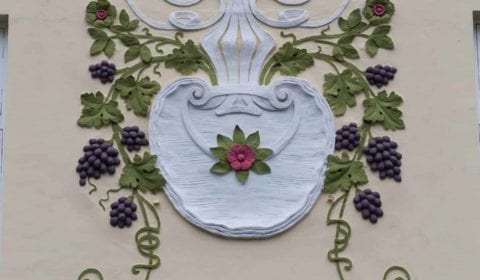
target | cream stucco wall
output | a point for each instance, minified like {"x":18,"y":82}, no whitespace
{"x":52,"y":229}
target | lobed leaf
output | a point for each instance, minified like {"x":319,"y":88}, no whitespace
{"x":96,"y":113}
{"x":343,"y":173}
{"x":142,"y":174}
{"x":383,"y":108}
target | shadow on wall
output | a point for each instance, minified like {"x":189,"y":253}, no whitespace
{"x":3,"y":21}
{"x":476,"y":39}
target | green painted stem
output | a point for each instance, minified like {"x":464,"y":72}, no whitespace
{"x":327,"y":37}
{"x":365,"y":132}
{"x":117,"y":130}
{"x":211,"y":73}
{"x":325,"y":42}
{"x":397,"y":269}
{"x":90,"y":271}
{"x":265,"y":70}
{"x":270,"y":74}
{"x":340,"y":243}
{"x":348,"y":65}
{"x":148,"y":233}
{"x":155,"y":38}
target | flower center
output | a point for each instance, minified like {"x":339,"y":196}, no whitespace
{"x":241,"y":157}
{"x":102,"y":14}
{"x":379,"y":9}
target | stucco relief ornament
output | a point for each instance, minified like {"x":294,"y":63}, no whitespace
{"x":267,"y":176}
{"x":289,"y":115}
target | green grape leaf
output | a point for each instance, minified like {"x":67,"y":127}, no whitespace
{"x":343,"y":173}
{"x":260,"y":167}
{"x":340,"y":90}
{"x":96,"y":113}
{"x":137,"y":94}
{"x":133,"y":24}
{"x":124,"y":18}
{"x":128,"y":40}
{"x":381,"y":30}
{"x":118,"y":28}
{"x":186,"y":59}
{"x":142,"y":174}
{"x":132,"y":53}
{"x":379,"y":40}
{"x":352,"y":22}
{"x":371,"y":47}
{"x":292,"y":61}
{"x":346,"y":39}
{"x":343,"y":24}
{"x":349,"y":51}
{"x":383,"y":42}
{"x":145,"y":54}
{"x":109,"y":48}
{"x":344,"y":50}
{"x":98,"y":46}
{"x":383,"y":108}
{"x":354,"y":18}
{"x":337,"y":53}
{"x":96,"y":33}
{"x":221,"y":167}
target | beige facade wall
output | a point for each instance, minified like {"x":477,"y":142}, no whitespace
{"x":52,"y":229}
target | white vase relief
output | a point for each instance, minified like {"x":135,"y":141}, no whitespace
{"x":293,"y":119}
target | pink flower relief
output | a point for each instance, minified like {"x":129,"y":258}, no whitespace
{"x":241,"y":157}
{"x":379,"y":9}
{"x":101,"y":14}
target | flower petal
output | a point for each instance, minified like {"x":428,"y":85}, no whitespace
{"x":236,"y":165}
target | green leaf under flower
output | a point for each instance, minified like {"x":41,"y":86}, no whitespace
{"x":219,"y":152}
{"x":142,"y":174}
{"x":263,"y":153}
{"x":242,"y":176}
{"x":221,"y":167}
{"x":260,"y":168}
{"x":252,"y":141}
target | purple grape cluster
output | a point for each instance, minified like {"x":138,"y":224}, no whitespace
{"x":347,"y":137}
{"x":123,"y":212}
{"x":99,"y":157}
{"x":380,"y":75}
{"x":133,"y":138}
{"x":369,"y":204}
{"x":104,"y":71}
{"x":382,"y":156}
